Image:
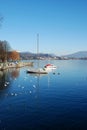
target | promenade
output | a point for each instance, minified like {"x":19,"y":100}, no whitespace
{"x":8,"y":65}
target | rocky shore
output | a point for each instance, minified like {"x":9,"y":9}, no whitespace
{"x":8,"y":65}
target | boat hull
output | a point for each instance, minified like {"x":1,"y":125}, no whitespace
{"x":37,"y":72}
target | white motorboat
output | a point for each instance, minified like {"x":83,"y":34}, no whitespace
{"x":50,"y":66}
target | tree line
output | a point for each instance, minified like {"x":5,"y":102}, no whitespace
{"x":7,"y":53}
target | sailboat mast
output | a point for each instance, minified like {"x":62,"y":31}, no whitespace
{"x":38,"y":48}
{"x":38,"y":44}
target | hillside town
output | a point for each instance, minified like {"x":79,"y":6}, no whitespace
{"x":11,"y":58}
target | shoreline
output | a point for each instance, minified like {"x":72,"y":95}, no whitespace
{"x":8,"y":65}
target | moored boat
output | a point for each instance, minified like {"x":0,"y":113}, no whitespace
{"x":50,"y":66}
{"x":37,"y":71}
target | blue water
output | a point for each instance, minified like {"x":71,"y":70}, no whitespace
{"x":55,"y":101}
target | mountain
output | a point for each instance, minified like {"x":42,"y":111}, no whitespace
{"x":80,"y":54}
{"x":30,"y":55}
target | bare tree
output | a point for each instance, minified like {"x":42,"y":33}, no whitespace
{"x":4,"y":49}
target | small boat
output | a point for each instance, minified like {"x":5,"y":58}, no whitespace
{"x":50,"y":66}
{"x":37,"y":71}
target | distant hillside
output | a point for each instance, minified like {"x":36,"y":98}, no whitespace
{"x":80,"y":54}
{"x":29,"y":55}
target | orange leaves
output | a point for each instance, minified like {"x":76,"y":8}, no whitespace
{"x":13,"y":55}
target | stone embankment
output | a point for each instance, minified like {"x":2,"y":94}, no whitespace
{"x":8,"y":65}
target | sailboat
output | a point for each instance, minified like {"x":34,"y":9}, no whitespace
{"x":38,"y":70}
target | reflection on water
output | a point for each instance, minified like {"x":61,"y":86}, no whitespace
{"x":6,"y":77}
{"x":15,"y":73}
{"x":4,"y":80}
{"x":55,"y":101}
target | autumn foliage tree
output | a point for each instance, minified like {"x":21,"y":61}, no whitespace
{"x":6,"y":52}
{"x":14,"y":56}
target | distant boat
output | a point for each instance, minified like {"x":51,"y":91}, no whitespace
{"x":38,"y":70}
{"x":50,"y":66}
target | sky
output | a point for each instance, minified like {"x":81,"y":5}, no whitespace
{"x":61,"y":24}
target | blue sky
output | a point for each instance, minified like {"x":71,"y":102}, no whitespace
{"x":61,"y":24}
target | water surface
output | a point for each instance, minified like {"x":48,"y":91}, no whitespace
{"x":55,"y":101}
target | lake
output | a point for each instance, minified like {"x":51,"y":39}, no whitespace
{"x":55,"y":101}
